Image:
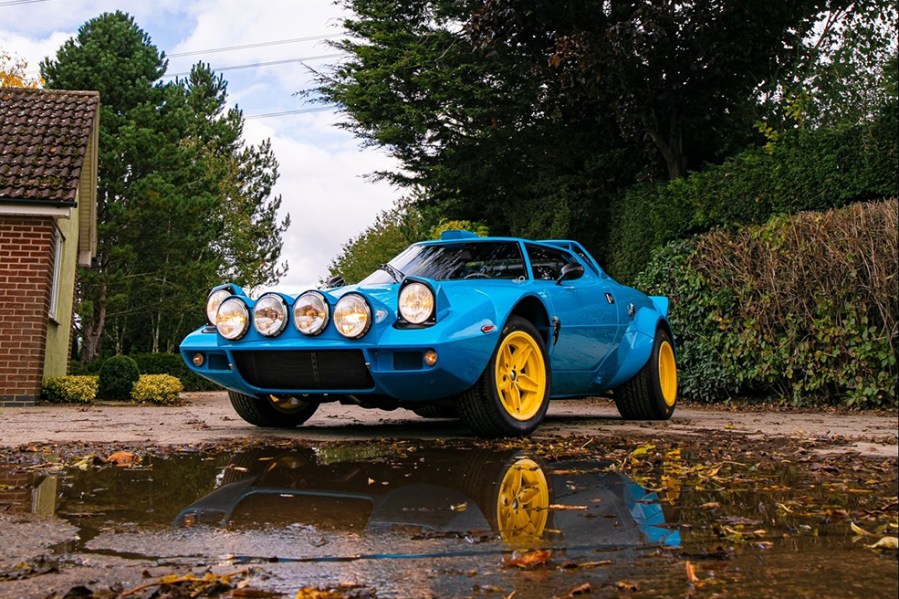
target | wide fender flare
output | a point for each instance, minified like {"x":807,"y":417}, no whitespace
{"x":636,"y":344}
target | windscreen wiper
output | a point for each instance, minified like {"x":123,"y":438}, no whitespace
{"x":393,"y":272}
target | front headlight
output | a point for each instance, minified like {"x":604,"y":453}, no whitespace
{"x":232,"y":319}
{"x":416,"y":303}
{"x":270,"y":315}
{"x":352,"y":316}
{"x":213,"y":301}
{"x":310,"y":313}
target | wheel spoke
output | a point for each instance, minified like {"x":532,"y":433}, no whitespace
{"x":527,"y":384}
{"x":515,"y":398}
{"x":506,"y":358}
{"x":521,"y":357}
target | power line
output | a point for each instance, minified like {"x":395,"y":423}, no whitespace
{"x":287,"y":112}
{"x":17,"y":2}
{"x":261,"y":64}
{"x":246,"y":46}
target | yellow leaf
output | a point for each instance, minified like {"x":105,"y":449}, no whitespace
{"x":859,"y":530}
{"x":459,"y":507}
{"x":642,"y":450}
{"x":886,"y":543}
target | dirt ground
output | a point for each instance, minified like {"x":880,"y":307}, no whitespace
{"x":209,"y":418}
{"x":745,"y":455}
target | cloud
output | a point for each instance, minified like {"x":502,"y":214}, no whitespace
{"x":324,"y":191}
{"x":322,"y":167}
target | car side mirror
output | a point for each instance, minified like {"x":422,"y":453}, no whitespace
{"x":335,"y":281}
{"x":570,"y":271}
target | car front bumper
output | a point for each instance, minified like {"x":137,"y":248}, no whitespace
{"x":391,"y":366}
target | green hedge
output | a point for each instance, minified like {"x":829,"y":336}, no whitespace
{"x":117,"y":377}
{"x":806,"y":170}
{"x":802,"y":308}
{"x":158,"y":363}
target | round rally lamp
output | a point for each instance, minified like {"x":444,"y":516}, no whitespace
{"x":232,"y":319}
{"x":270,"y":315}
{"x":416,"y":303}
{"x":310,"y":313}
{"x":352,"y":316}
{"x":213,"y":301}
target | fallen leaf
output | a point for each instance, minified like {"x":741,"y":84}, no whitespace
{"x":859,"y":530}
{"x":530,"y":559}
{"x":711,"y":505}
{"x":459,"y":507}
{"x":561,"y":507}
{"x":627,"y":585}
{"x":886,"y":543}
{"x":640,"y":451}
{"x":123,"y":459}
{"x":582,"y":589}
{"x":584,"y":565}
{"x":691,"y":575}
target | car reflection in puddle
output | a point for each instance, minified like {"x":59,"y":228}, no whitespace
{"x":508,"y":499}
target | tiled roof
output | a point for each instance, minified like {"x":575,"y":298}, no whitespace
{"x":44,"y":135}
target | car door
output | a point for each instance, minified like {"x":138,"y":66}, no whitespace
{"x":584,"y":318}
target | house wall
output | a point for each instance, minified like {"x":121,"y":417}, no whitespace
{"x":26,"y":271}
{"x":59,"y":329}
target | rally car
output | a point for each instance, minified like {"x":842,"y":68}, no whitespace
{"x":486,"y":329}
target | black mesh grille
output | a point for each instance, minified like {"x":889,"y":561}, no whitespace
{"x":331,"y":369}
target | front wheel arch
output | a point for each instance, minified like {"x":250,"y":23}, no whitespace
{"x":512,"y":394}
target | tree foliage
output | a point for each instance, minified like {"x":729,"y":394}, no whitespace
{"x":182,"y":201}
{"x":14,"y":72}
{"x":843,"y":71}
{"x":531,"y":115}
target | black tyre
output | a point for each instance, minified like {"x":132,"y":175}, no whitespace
{"x":436,"y":411}
{"x":272,"y":412}
{"x":652,"y":393}
{"x":512,"y":395}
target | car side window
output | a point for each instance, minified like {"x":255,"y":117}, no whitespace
{"x":547,"y":262}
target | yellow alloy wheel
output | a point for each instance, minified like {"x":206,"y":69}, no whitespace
{"x":667,"y":373}
{"x":287,"y":404}
{"x":520,"y":376}
{"x":523,"y":502}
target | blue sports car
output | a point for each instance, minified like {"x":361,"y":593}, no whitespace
{"x":484,"y":329}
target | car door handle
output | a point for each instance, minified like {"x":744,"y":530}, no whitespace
{"x":610,"y":298}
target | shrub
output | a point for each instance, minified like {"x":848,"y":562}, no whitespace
{"x":173,"y":364}
{"x":805,"y":170}
{"x":802,"y":308}
{"x":157,"y":388}
{"x":70,"y":389}
{"x":117,"y":376}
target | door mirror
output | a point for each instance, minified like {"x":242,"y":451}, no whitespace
{"x":570,"y":271}
{"x":335,"y":281}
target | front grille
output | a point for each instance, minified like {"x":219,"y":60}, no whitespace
{"x":328,"y":369}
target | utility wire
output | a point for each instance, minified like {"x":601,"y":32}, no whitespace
{"x":287,"y":112}
{"x":17,"y":2}
{"x":260,"y":64}
{"x":245,"y":46}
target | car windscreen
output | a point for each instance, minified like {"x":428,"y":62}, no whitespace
{"x":454,"y":261}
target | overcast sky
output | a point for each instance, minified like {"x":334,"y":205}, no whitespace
{"x":321,"y":167}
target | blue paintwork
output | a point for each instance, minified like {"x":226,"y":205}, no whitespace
{"x":601,"y":342}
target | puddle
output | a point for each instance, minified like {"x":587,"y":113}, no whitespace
{"x":443,"y":520}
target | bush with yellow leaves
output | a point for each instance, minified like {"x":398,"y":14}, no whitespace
{"x":161,"y":389}
{"x":70,"y":389}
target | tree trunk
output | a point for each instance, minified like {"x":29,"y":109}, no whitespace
{"x":671,"y":147}
{"x":93,"y":331}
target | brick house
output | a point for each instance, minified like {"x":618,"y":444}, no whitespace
{"x":48,"y":226}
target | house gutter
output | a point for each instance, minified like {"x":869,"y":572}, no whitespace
{"x":51,"y":208}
